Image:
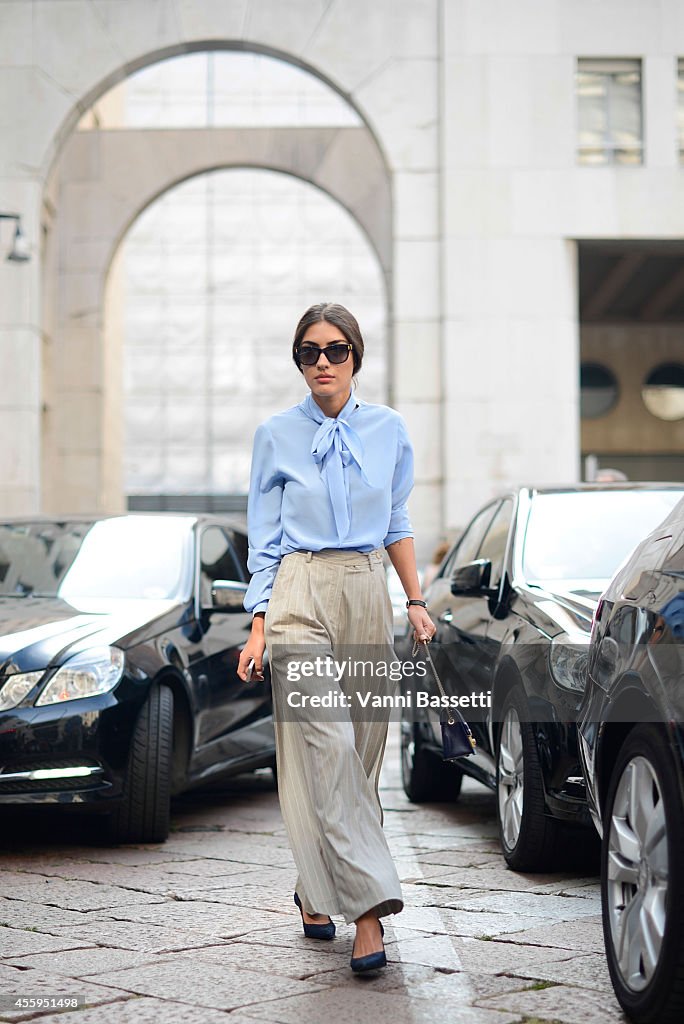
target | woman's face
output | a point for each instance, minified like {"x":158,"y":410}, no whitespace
{"x":326,"y":379}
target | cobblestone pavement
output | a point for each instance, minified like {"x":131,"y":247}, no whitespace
{"x":203,"y":927}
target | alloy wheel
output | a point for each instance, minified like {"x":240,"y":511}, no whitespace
{"x":637,"y":873}
{"x":511,"y":778}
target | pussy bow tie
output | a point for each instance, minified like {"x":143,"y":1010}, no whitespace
{"x":335,"y":445}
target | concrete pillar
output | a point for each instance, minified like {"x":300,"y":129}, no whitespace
{"x":21,"y":354}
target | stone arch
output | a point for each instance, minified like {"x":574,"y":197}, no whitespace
{"x":202,"y":329}
{"x":101,"y":183}
{"x":383,"y":61}
{"x":371,"y":210}
{"x":178,"y":49}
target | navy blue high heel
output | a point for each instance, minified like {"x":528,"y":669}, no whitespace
{"x":372,"y":961}
{"x":315,"y":931}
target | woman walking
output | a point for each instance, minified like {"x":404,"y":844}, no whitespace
{"x":328,"y":489}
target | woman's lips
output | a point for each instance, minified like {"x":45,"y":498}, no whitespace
{"x":324,"y":378}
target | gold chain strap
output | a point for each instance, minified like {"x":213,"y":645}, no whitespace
{"x":450,"y":715}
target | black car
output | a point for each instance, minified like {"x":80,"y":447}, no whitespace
{"x":631,"y":729}
{"x":513,"y":603}
{"x":119,"y":643}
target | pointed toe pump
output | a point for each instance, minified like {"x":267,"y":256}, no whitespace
{"x":315,"y":931}
{"x":370,"y":962}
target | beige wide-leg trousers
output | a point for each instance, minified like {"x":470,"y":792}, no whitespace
{"x":327,"y":603}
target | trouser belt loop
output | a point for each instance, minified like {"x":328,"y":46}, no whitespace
{"x":370,"y":560}
{"x":309,"y":556}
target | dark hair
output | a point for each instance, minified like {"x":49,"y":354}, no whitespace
{"x":340,"y":317}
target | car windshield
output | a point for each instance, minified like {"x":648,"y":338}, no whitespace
{"x":130,"y":557}
{"x":581,"y":538}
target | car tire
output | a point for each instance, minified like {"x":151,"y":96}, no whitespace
{"x":144,"y":814}
{"x":529,"y":839}
{"x":642,"y":880}
{"x":424,"y":775}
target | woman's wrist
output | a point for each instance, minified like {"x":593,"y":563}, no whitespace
{"x":258,"y":622}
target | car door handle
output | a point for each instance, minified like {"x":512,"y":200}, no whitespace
{"x":446,"y":616}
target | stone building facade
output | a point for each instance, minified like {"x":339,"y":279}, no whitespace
{"x":516,"y":162}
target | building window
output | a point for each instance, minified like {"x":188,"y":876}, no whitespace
{"x":663,"y":391}
{"x":680,"y":108}
{"x":609,"y":112}
{"x":598,"y":390}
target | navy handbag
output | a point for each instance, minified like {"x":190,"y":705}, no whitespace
{"x":457,"y":739}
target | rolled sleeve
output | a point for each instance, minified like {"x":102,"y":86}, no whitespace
{"x":402,"y":485}
{"x":264,"y":524}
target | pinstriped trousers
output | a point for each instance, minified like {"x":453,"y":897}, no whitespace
{"x":329,"y":763}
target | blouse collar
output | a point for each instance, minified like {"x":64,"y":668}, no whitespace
{"x":312,"y":409}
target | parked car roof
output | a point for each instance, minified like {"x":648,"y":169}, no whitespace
{"x":233,"y":518}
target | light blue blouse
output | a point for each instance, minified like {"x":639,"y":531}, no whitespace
{"x":322,"y":482}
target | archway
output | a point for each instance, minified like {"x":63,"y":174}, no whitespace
{"x":101,"y":183}
{"x":213,"y":276}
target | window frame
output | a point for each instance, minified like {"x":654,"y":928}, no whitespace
{"x":201,"y":531}
{"x":508,"y":499}
{"x":449,"y":564}
{"x":609,"y":67}
{"x":679,"y":108}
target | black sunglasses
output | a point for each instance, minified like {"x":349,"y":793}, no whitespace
{"x":309,"y":355}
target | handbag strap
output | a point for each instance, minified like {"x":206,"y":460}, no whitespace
{"x":425,"y":643}
{"x":453,"y":714}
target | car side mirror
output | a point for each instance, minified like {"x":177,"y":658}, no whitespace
{"x":228,"y":595}
{"x":471,"y":579}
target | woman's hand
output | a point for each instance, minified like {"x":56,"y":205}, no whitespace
{"x":423,"y":626}
{"x":253,"y":649}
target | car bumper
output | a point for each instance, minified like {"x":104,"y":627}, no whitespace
{"x":75,"y":753}
{"x":587,"y":747}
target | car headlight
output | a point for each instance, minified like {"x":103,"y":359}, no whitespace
{"x":17,"y":686}
{"x":568,"y":661}
{"x":86,"y":674}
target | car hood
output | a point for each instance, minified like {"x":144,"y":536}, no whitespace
{"x":36,"y":632}
{"x":566,"y":611}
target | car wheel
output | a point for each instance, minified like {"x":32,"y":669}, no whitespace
{"x":642,"y":880}
{"x":145,"y":810}
{"x":528,"y":837}
{"x":425,"y":777}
